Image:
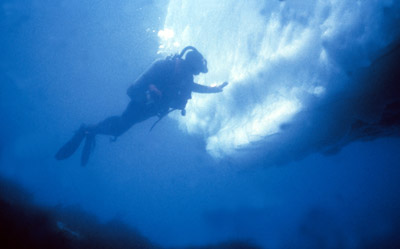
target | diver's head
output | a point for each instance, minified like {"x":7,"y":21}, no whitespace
{"x":195,"y":62}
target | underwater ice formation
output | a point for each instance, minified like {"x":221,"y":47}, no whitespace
{"x":294,"y":68}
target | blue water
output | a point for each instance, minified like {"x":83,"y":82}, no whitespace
{"x":272,"y":160}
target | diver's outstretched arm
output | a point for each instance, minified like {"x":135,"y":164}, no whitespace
{"x":209,"y":89}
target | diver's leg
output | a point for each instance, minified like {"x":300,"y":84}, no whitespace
{"x":117,"y":125}
{"x":137,"y":112}
{"x":114,"y":126}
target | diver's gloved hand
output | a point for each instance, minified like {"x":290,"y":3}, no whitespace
{"x":221,"y":87}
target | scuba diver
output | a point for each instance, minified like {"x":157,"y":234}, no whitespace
{"x":166,"y":86}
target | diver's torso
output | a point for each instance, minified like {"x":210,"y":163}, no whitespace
{"x":168,"y":76}
{"x":176,"y":86}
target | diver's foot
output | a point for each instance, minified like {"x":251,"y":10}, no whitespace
{"x":87,"y":148}
{"x":72,"y":145}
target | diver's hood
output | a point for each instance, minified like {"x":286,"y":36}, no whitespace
{"x":195,"y":59}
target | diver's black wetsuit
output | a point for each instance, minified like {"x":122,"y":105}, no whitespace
{"x":175,"y":85}
{"x":167,"y":85}
{"x":115,"y":126}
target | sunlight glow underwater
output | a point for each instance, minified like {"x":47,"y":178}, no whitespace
{"x":299,"y":78}
{"x":277,"y":55}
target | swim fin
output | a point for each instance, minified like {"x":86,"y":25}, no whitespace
{"x":72,"y":145}
{"x":87,"y":148}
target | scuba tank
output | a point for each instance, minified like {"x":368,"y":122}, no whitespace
{"x":180,"y":99}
